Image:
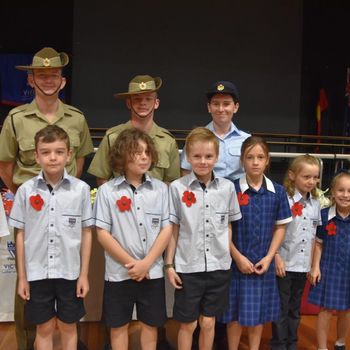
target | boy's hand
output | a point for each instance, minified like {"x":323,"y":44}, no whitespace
{"x":23,"y":289}
{"x":314,"y":276}
{"x":245,"y":265}
{"x":262,"y":266}
{"x":82,"y":286}
{"x":280,"y":266}
{"x":174,"y":278}
{"x":138,"y":270}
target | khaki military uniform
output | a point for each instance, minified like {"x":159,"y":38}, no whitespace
{"x":20,"y":127}
{"x":167,"y":168}
{"x":17,"y":144}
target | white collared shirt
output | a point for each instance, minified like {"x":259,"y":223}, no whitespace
{"x":52,"y":233}
{"x":203,"y":241}
{"x":296,"y":249}
{"x":135,"y":229}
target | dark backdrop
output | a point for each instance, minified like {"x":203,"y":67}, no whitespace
{"x":190,"y":44}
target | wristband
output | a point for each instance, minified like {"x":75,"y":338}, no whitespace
{"x":168,"y":266}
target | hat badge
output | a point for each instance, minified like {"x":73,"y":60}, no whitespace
{"x":142,"y":86}
{"x":46,"y":62}
{"x":220,"y":87}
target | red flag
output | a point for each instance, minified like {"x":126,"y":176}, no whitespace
{"x":322,"y":105}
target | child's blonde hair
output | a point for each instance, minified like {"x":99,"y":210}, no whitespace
{"x":203,"y":135}
{"x":342,"y":173}
{"x":295,"y":167}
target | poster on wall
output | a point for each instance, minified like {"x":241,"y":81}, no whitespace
{"x":7,"y":277}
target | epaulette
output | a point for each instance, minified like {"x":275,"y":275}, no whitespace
{"x":165,"y":131}
{"x":74,"y":109}
{"x":13,"y":112}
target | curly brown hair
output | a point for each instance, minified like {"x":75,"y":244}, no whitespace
{"x":295,"y":166}
{"x":125,"y":147}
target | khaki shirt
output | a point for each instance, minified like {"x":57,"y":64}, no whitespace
{"x":20,"y":127}
{"x":168,"y":166}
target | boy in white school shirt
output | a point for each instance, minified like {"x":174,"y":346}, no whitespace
{"x":131,"y":215}
{"x":52,"y":214}
{"x":198,"y":259}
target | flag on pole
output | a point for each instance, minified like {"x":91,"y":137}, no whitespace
{"x":322,"y":105}
{"x":347,"y":104}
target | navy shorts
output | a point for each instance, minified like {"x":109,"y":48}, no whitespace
{"x":119,"y":299}
{"x":202,"y":293}
{"x":54,"y":298}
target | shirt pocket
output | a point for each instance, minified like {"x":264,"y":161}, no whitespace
{"x":71,"y":224}
{"x":221,"y":219}
{"x":74,"y":141}
{"x":26,"y":152}
{"x":153,"y":221}
{"x":234,"y":150}
{"x":313,"y":226}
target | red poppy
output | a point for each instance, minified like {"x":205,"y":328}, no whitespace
{"x":124,"y":203}
{"x":8,"y":206}
{"x":297,"y":209}
{"x":189,"y":198}
{"x":331,"y":228}
{"x":243,"y":198}
{"x":36,"y":202}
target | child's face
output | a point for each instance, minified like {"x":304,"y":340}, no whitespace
{"x":306,"y":179}
{"x":341,"y":193}
{"x":52,"y":157}
{"x":47,"y":81}
{"x":255,"y":161}
{"x":222,"y":108}
{"x":202,"y":156}
{"x":143,"y":104}
{"x":140,"y":162}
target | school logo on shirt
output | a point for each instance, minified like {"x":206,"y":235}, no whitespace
{"x":155,"y":222}
{"x":11,"y":248}
{"x":72,"y":222}
{"x":222,"y":219}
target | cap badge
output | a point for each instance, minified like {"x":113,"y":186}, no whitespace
{"x":46,"y":62}
{"x":142,"y":86}
{"x":220,"y":87}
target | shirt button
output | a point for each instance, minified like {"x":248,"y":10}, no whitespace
{"x":53,"y":193}
{"x":302,"y":250}
{"x":207,"y":206}
{"x":140,"y":223}
{"x":52,"y":209}
{"x":135,"y":192}
{"x":51,"y":240}
{"x":138,"y":208}
{"x":51,"y":225}
{"x":144,"y":239}
{"x":207,"y":220}
{"x":207,"y":235}
{"x":50,"y":256}
{"x":207,"y":249}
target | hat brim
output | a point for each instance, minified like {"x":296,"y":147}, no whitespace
{"x":123,"y":95}
{"x":64,"y":60}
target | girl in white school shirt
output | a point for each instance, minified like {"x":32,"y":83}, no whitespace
{"x":293,"y":260}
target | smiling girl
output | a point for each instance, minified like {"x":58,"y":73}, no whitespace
{"x":330,"y":273}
